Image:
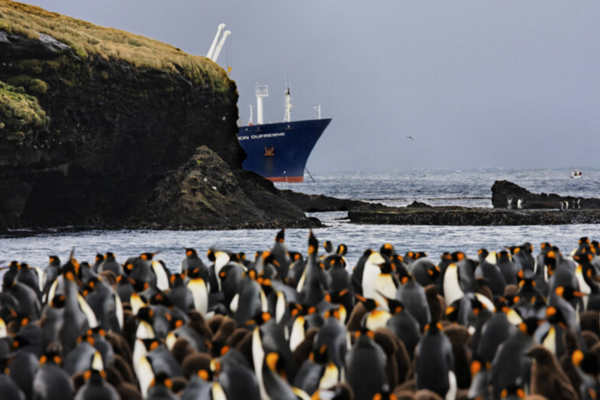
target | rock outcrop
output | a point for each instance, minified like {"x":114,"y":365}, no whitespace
{"x":204,"y":192}
{"x":504,"y":190}
{"x":87,"y":139}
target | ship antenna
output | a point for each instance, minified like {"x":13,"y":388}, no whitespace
{"x":318,"y":110}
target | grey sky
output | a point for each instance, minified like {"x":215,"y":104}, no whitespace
{"x":476,"y":83}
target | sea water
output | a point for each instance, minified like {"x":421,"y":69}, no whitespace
{"x":470,"y":188}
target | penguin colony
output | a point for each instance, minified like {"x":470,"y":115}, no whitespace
{"x":507,"y":325}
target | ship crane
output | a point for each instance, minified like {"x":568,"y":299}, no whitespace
{"x":215,"y":50}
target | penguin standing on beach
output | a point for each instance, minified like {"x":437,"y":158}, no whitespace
{"x":365,"y":365}
{"x":434,"y":363}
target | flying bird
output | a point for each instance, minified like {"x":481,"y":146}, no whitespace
{"x":410,"y":137}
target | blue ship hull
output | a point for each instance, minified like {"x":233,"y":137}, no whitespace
{"x":279,"y":151}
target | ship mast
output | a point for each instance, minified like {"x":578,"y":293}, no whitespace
{"x":288,"y":106}
{"x":261,"y":91}
{"x":250,"y":122}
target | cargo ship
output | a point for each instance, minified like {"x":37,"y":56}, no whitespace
{"x":279,"y":151}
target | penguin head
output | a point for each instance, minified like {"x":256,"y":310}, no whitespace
{"x":146,"y":314}
{"x":110,"y":256}
{"x":162,"y":379}
{"x":177,"y":280}
{"x":433,"y":328}
{"x":482,"y":254}
{"x":342,"y":250}
{"x":51,"y":357}
{"x":387,"y":250}
{"x":147,"y":256}
{"x":295,"y":256}
{"x":139,"y":285}
{"x":320,"y":355}
{"x":554,"y":315}
{"x":567,"y":293}
{"x":541,"y":354}
{"x":86,"y":338}
{"x":160,"y":299}
{"x":280,"y":237}
{"x":275,"y":363}
{"x":99,"y":258}
{"x":53,"y":260}
{"x":58,"y":301}
{"x":387,"y":268}
{"x":385,"y":394}
{"x":453,"y":310}
{"x":91,"y":285}
{"x":529,"y":325}
{"x":336,"y":261}
{"x":369,"y":304}
{"x":458,"y":256}
{"x":328,"y":246}
{"x":513,"y":391}
{"x":586,"y":361}
{"x":313,"y":244}
{"x":189,"y":252}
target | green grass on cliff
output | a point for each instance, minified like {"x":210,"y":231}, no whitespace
{"x":19,"y":113}
{"x":88,"y":39}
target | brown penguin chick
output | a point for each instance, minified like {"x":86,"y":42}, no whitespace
{"x":179,"y":384}
{"x":459,"y":337}
{"x":126,"y":390}
{"x":462,"y":394}
{"x":409,"y":386}
{"x":181,"y":349}
{"x":195,"y":362}
{"x":124,"y":368}
{"x":109,"y":277}
{"x":404,"y":395}
{"x":221,"y":335}
{"x":215,"y":322}
{"x":244,"y":346}
{"x":510,"y":290}
{"x":385,"y":339}
{"x":78,"y":380}
{"x":436,"y":307}
{"x":483,"y":288}
{"x":130,"y":324}
{"x":120,"y":346}
{"x":400,"y":356}
{"x":547,"y":377}
{"x":356,"y":317}
{"x":198,"y":323}
{"x":596,"y":351}
{"x":236,"y":337}
{"x":590,"y":321}
{"x":590,"y":338}
{"x":302,"y":352}
{"x":425,"y":394}
{"x":571,"y":345}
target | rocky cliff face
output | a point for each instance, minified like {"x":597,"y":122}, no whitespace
{"x":89,"y":141}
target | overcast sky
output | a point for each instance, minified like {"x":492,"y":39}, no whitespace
{"x":476,"y":83}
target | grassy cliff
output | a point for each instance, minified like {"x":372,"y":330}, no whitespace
{"x":88,"y":39}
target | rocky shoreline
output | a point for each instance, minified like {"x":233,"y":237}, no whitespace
{"x":473,"y":216}
{"x":526,"y":208}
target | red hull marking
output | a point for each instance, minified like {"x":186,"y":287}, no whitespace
{"x":291,"y":179}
